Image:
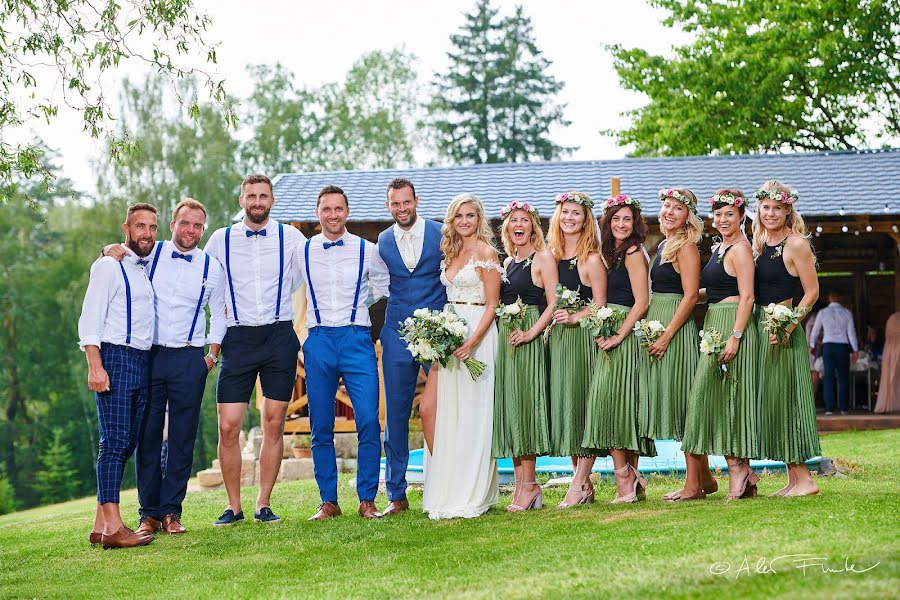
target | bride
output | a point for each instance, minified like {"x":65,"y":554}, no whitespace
{"x":457,"y":413}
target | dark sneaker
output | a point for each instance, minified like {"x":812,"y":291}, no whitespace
{"x":265,"y":515}
{"x":229,"y":518}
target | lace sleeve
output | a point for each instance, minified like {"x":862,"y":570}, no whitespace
{"x":491,"y":265}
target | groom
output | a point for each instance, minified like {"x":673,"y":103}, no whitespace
{"x":411,"y":248}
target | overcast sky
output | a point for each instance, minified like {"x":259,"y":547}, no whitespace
{"x":319,"y":41}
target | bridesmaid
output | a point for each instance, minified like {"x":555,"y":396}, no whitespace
{"x":784,"y":262}
{"x":722,"y":415}
{"x":675,"y":282}
{"x":611,"y":420}
{"x":575,"y":246}
{"x":521,"y":426}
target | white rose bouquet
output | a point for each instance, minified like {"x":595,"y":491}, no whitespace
{"x":566,"y":300}
{"x":648,"y":332}
{"x":513,"y":315}
{"x":711,"y":344}
{"x":603,"y":321}
{"x":433,"y":335}
{"x":776,"y":321}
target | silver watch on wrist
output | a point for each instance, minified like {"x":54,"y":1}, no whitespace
{"x":737,"y":334}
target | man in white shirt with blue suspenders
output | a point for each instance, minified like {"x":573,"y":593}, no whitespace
{"x":116,"y":331}
{"x":261,"y":261}
{"x":344,"y":275}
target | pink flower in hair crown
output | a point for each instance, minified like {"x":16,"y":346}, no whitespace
{"x":519,"y":205}
{"x":617,"y":200}
{"x":784,"y":197}
{"x":576,"y":197}
{"x":676,"y":195}
{"x":737,"y":201}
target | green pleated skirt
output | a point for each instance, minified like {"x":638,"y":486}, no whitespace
{"x":572,"y":355}
{"x":665,"y":384}
{"x":788,"y":427}
{"x":521,"y":424}
{"x":611,"y":416}
{"x":723,"y":414}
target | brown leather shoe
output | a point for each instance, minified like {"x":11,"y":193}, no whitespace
{"x":327,"y":510}
{"x":368,"y":510}
{"x":171,"y":523}
{"x":125,"y":538}
{"x":149,"y":526}
{"x":395,"y":507}
{"x":96,"y":537}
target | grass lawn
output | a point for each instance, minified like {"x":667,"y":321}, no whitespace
{"x":650,"y":549}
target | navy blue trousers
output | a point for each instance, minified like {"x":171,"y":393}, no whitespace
{"x":836,"y":379}
{"x":120,"y":412}
{"x":177,"y":379}
{"x":330,"y":354}
{"x":401,"y":372}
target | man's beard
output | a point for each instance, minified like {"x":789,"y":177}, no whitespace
{"x":134,"y":247}
{"x":257,"y":218}
{"x":409,"y":221}
{"x":179,"y":241}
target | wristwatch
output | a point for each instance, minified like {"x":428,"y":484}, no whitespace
{"x":213,"y":358}
{"x":737,"y":334}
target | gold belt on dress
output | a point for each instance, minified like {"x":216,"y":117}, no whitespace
{"x":468,"y":303}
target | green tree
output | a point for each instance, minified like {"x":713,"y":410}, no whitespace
{"x":55,"y":54}
{"x":767,"y":76}
{"x":495,"y":103}
{"x":7,"y":494}
{"x":57,"y":481}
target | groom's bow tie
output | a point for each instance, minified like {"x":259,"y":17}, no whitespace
{"x":328,"y":245}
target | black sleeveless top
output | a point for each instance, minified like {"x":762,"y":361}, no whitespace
{"x":663,"y":277}
{"x":718,"y":283}
{"x":520,"y":285}
{"x":618,"y":285}
{"x":773,"y":283}
{"x":568,"y":277}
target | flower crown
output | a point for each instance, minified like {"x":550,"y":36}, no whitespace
{"x":675,"y":194}
{"x":618,"y":200}
{"x":785,"y":197}
{"x":737,"y":201}
{"x":576,"y":197}
{"x":519,"y":205}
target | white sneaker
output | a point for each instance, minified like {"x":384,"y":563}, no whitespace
{"x":828,"y":413}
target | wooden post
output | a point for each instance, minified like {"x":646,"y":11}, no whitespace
{"x":615,"y":186}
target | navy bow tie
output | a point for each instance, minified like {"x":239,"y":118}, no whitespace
{"x":186,"y":257}
{"x":328,"y":245}
{"x":143,"y":262}
{"x":251,"y":233}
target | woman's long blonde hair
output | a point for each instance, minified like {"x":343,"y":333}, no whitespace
{"x":588,"y":242}
{"x":690,"y":233}
{"x":792,"y":218}
{"x":537,"y":235}
{"x":451,"y":241}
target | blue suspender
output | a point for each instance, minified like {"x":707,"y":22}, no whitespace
{"x":312,"y":292}
{"x":228,"y":271}
{"x":155,"y":259}
{"x":280,"y":268}
{"x":127,"y":305}
{"x":362,"y":259}
{"x":200,"y":301}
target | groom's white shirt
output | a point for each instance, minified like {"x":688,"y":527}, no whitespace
{"x":410,"y":242}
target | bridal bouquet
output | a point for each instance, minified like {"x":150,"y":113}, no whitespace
{"x":648,"y":332}
{"x":776,"y":321}
{"x":433,"y":335}
{"x":711,"y":344}
{"x":566,"y":300}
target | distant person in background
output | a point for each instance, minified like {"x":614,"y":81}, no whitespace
{"x":889,"y":388}
{"x":815,"y":345}
{"x":873,"y":345}
{"x":835,"y":322}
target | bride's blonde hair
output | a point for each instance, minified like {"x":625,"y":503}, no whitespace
{"x":690,"y":232}
{"x":451,"y":241}
{"x":792,"y":218}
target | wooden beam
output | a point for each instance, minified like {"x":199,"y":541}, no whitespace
{"x":615,"y":186}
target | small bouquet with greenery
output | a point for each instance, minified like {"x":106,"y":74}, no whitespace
{"x":512,"y":315}
{"x":711,"y":344}
{"x":603,"y":321}
{"x":648,"y":332}
{"x":566,"y":300}
{"x":776,"y":320}
{"x":432,"y":336}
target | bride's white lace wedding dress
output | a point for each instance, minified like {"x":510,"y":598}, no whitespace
{"x":460,"y":475}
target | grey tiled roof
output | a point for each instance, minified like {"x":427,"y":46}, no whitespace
{"x":857,"y":182}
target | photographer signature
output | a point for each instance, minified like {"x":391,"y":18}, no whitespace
{"x":808,"y":563}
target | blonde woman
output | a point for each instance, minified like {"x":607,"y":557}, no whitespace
{"x":521,"y":426}
{"x":575,"y":247}
{"x":460,"y":473}
{"x":669,"y":364}
{"x":785,"y":264}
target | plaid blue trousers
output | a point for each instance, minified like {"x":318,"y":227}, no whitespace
{"x":120,"y":412}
